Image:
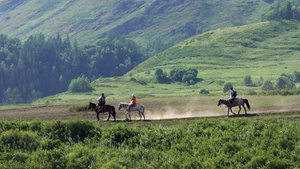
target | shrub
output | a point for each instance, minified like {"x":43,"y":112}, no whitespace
{"x":187,"y":75}
{"x":77,"y":108}
{"x":227,"y":87}
{"x":203,"y":91}
{"x":285,"y":83}
{"x":79,"y":130}
{"x":81,"y":84}
{"x":248,"y":81}
{"x":19,"y":139}
{"x":267,"y":86}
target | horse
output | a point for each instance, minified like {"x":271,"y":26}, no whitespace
{"x":139,"y":107}
{"x":236,"y":102}
{"x":106,"y":108}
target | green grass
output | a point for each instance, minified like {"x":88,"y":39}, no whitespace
{"x":264,"y":50}
{"x":86,"y":21}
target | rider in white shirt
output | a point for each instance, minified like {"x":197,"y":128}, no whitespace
{"x":101,"y":101}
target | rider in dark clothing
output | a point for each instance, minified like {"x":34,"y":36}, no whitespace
{"x":101,"y":101}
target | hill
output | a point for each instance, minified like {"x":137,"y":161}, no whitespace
{"x":266,"y":50}
{"x":152,"y":23}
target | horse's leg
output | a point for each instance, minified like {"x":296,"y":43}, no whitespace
{"x":129,"y":115}
{"x":232,"y":111}
{"x":245,"y":109}
{"x":140,"y":114}
{"x":239,"y":109}
{"x":109,"y":112}
{"x":97,"y":116}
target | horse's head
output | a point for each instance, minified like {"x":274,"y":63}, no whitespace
{"x":122,"y":105}
{"x":119,"y":107}
{"x":220,"y":102}
{"x":91,"y":105}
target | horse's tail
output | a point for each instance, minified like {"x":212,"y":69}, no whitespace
{"x":247,"y":103}
{"x":143,"y":109}
{"x":114,"y":110}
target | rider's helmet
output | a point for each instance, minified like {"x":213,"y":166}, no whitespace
{"x":133,"y":95}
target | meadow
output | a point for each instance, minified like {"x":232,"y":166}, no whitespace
{"x":178,"y":133}
{"x":260,"y":141}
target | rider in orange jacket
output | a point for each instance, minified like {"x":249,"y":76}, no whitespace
{"x":133,"y":102}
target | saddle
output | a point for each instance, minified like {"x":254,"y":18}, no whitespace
{"x":231,"y":101}
{"x":100,"y":107}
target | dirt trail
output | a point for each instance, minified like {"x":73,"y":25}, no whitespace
{"x":152,"y":112}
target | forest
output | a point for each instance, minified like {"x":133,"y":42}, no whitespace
{"x":43,"y":66}
{"x":288,"y":11}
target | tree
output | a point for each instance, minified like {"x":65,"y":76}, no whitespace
{"x":248,"y":81}
{"x":160,"y":75}
{"x":12,"y":96}
{"x":296,"y":76}
{"x":267,"y":86}
{"x":227,"y":87}
{"x":81,"y":84}
{"x":287,"y":11}
{"x":284,"y":83}
{"x":187,"y":75}
{"x":260,"y":81}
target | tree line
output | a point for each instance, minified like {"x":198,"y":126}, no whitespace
{"x":287,"y":11}
{"x":41,"y":66}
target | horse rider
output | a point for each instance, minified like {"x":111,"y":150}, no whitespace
{"x":101,"y":102}
{"x":133,"y":102}
{"x":232,"y":95}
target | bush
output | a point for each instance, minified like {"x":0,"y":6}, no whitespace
{"x":161,"y":76}
{"x":19,"y":139}
{"x":267,"y":86}
{"x":284,"y":83}
{"x":186,"y":75}
{"x":77,"y":108}
{"x":227,"y":87}
{"x":81,"y":84}
{"x":248,"y":81}
{"x":203,"y":91}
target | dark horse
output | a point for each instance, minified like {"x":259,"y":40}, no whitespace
{"x":106,"y":108}
{"x":236,"y":102}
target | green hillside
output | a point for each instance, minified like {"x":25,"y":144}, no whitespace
{"x":151,"y":23}
{"x":265,"y":50}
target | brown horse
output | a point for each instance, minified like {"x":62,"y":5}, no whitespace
{"x":106,"y":108}
{"x":236,"y":102}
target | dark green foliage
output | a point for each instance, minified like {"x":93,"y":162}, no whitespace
{"x":227,"y":87}
{"x":43,"y":66}
{"x":284,"y":83}
{"x":248,"y":80}
{"x":296,"y":77}
{"x":267,"y":86}
{"x":161,"y":76}
{"x":186,"y":75}
{"x":235,"y":143}
{"x":81,"y":84}
{"x":286,"y":11}
{"x":203,"y":91}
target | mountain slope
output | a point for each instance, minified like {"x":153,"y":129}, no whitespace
{"x":265,"y":50}
{"x":148,"y":22}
